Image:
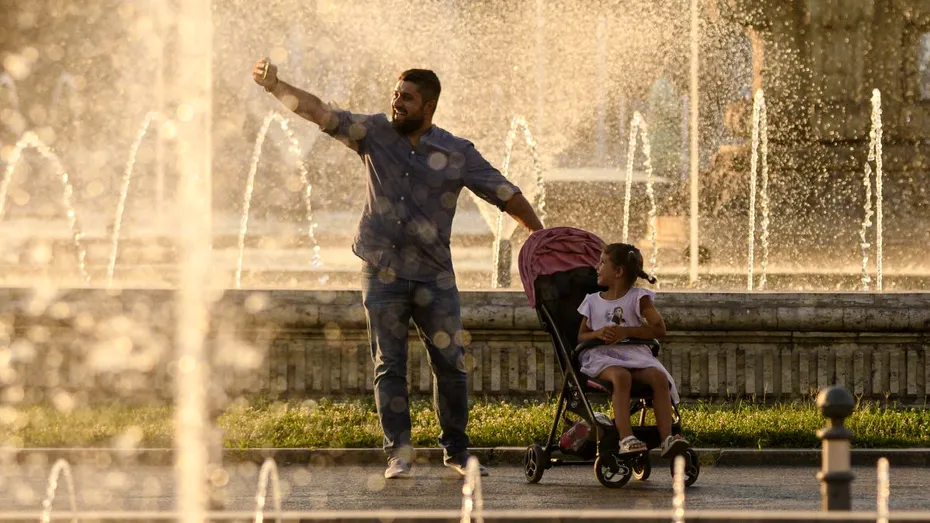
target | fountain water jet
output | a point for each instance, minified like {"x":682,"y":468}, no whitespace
{"x":31,"y":140}
{"x":502,"y":251}
{"x":7,"y":82}
{"x":190,"y":89}
{"x":639,"y":128}
{"x":58,"y":468}
{"x":124,"y":192}
{"x":678,"y":487}
{"x":875,"y":155}
{"x":540,"y":65}
{"x":472,"y":501}
{"x":884,"y":491}
{"x":269,"y":470}
{"x":64,"y":83}
{"x":760,"y":137}
{"x":274,"y":116}
{"x":694,"y":164}
{"x":685,"y":138}
{"x":601,"y":38}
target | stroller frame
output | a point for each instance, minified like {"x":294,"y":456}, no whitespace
{"x":611,"y":468}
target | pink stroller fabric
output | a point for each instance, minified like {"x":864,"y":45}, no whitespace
{"x":554,"y":250}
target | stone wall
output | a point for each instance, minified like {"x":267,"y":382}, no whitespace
{"x":93,"y":345}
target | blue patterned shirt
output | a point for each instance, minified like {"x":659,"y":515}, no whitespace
{"x":412,"y":193}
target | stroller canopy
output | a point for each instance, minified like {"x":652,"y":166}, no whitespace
{"x":554,"y":250}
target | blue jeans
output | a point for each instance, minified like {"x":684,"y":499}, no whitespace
{"x":390,"y":303}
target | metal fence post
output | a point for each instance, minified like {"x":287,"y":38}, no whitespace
{"x":836,"y":404}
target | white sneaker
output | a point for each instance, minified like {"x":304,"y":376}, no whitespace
{"x":397,"y":468}
{"x":459,"y":463}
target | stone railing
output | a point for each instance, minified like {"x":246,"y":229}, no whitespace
{"x":99,"y":345}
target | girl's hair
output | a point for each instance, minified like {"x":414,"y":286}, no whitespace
{"x":630,"y":259}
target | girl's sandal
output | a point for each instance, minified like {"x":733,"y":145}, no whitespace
{"x":632,"y":445}
{"x":674,"y":445}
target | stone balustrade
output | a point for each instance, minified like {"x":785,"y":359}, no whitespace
{"x":101,"y":345}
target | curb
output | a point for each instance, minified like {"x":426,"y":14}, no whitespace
{"x":919,"y":457}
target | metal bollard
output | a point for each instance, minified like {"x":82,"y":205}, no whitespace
{"x":503,"y":256}
{"x":836,"y":404}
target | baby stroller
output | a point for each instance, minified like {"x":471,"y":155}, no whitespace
{"x":557,"y":267}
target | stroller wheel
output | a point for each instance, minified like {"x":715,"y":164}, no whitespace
{"x":611,"y":471}
{"x":534,"y":463}
{"x":642,"y":467}
{"x":692,"y":467}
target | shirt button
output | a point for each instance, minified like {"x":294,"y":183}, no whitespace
{"x":406,"y":174}
{"x":401,"y":198}
{"x":398,"y":222}
{"x":411,"y":153}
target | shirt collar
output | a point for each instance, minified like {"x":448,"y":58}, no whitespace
{"x":432,"y":139}
{"x":429,"y":136}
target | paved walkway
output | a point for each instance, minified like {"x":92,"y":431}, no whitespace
{"x":362,"y":487}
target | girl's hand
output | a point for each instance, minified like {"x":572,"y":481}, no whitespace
{"x":610,"y":334}
{"x":617,"y":332}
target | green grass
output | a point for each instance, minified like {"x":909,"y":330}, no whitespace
{"x":492,"y":423}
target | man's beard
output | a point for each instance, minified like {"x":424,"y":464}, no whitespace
{"x":407,"y":126}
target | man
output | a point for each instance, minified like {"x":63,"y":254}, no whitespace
{"x":415,"y":174}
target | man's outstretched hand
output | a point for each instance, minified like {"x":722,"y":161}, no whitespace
{"x":304,"y":104}
{"x":265,"y":74}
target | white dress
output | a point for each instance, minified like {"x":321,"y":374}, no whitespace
{"x":625,"y":312}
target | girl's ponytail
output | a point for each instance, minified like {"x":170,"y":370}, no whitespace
{"x":628,"y":256}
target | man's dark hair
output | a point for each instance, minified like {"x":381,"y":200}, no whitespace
{"x":426,"y":81}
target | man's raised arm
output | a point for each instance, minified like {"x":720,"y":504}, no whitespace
{"x":304,"y":104}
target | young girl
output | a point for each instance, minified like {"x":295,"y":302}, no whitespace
{"x":624,"y":311}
